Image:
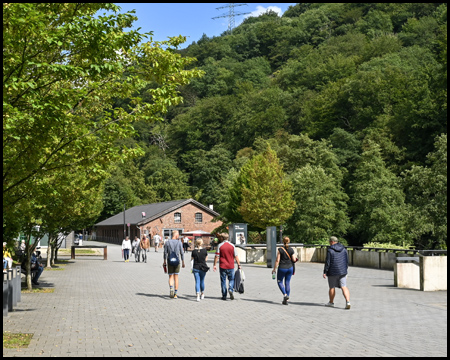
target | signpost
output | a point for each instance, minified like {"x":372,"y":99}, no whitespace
{"x":271,"y":236}
{"x":238,"y":234}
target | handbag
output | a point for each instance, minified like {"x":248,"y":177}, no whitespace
{"x":204,"y":267}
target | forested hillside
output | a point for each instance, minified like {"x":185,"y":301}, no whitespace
{"x":351,"y":97}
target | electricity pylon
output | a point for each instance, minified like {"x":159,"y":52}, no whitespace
{"x":231,"y":14}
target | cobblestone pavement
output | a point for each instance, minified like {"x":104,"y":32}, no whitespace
{"x":112,"y":308}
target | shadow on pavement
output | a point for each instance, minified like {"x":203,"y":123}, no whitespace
{"x":306,"y":304}
{"x":261,"y":301}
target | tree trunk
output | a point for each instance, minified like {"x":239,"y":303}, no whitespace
{"x":54,"y":250}
{"x":49,"y":250}
{"x":28,"y":268}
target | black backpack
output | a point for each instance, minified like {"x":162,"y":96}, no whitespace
{"x":173,"y":260}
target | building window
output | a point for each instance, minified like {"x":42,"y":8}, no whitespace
{"x":198,"y":217}
{"x":177,"y":218}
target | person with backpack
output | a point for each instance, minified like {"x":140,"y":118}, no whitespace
{"x":173,"y":251}
{"x":285,"y":259}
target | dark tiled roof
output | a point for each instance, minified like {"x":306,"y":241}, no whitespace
{"x":152,"y":211}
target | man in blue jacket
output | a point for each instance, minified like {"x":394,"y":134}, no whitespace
{"x":336,"y":266}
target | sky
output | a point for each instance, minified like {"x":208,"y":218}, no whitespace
{"x":191,"y":19}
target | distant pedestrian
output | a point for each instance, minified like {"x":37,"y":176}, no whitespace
{"x":336,"y":268}
{"x":144,"y":248}
{"x":285,"y":262}
{"x":126,"y":247}
{"x":199,"y":268}
{"x":135,"y":249}
{"x":226,"y":254}
{"x":173,"y":251}
{"x":185,"y":244}
{"x":35,"y":265}
{"x":7,"y":256}
{"x":157,"y":239}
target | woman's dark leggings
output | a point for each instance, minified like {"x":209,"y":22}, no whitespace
{"x":285,"y":274}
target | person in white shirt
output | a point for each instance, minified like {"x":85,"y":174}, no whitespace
{"x":185,"y":243}
{"x":126,"y":247}
{"x":157,"y":239}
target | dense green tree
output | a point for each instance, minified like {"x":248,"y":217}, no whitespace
{"x":165,"y":179}
{"x":377,"y":203}
{"x":266,"y":195}
{"x":426,"y":191}
{"x":206,"y":169}
{"x":321,"y":208}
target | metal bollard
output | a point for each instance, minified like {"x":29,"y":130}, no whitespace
{"x":11,"y":296}
{"x":5,"y":296}
{"x":18,"y":283}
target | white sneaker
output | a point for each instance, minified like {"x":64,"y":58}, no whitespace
{"x":348,"y":305}
{"x":198,"y":297}
{"x":202,"y":296}
{"x":329,"y":304}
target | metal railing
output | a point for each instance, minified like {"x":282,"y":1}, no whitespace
{"x":375,"y":249}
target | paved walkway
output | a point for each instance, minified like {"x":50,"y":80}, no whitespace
{"x":112,"y":308}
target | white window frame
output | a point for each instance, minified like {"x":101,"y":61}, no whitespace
{"x":177,"y":221}
{"x":201,"y":217}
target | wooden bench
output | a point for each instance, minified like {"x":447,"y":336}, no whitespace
{"x":105,"y":250}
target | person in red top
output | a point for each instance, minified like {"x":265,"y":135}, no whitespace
{"x":226,"y":255}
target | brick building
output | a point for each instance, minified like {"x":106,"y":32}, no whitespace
{"x":159,"y":218}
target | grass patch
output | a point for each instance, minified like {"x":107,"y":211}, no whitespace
{"x":37,"y":290}
{"x":54,"y":269}
{"x":260,"y":263}
{"x":19,"y":340}
{"x":62,"y":262}
{"x":77,"y":252}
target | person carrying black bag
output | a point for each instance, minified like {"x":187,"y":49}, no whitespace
{"x":199,"y":268}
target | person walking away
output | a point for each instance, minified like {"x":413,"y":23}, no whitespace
{"x":199,"y":268}
{"x":336,"y":268}
{"x":126,"y":247}
{"x":185,"y":244}
{"x":226,"y":254}
{"x":144,"y":248}
{"x":35,"y":265}
{"x":285,"y":263}
{"x":157,"y":239}
{"x":135,"y":248}
{"x":173,"y":249}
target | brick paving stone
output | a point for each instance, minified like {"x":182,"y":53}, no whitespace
{"x":100,"y":307}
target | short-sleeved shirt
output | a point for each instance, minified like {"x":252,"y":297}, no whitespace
{"x":285,"y":261}
{"x":199,"y":257}
{"x":226,"y":252}
{"x":156,"y":238}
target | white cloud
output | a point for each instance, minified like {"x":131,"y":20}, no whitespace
{"x":261,"y":10}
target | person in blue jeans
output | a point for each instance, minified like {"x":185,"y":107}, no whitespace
{"x":35,"y":265}
{"x":199,"y":268}
{"x":226,"y":255}
{"x":285,"y":262}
